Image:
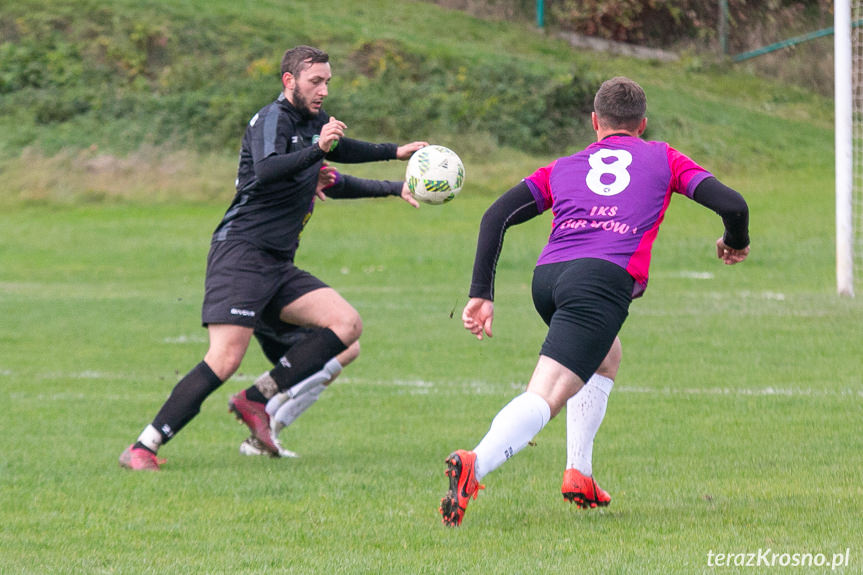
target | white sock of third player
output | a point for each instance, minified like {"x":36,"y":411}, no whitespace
{"x":584,"y":414}
{"x":511,"y":430}
{"x":290,"y":410}
{"x":330,"y":370}
{"x":285,"y":408}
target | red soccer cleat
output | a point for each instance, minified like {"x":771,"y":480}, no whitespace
{"x":582,"y":490}
{"x":256,"y":418}
{"x":462,"y":486}
{"x":138,"y":459}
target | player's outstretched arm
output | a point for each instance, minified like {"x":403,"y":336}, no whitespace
{"x":407,"y":150}
{"x":477,"y":316}
{"x":332,"y":183}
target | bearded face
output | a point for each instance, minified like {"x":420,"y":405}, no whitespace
{"x":309,"y":89}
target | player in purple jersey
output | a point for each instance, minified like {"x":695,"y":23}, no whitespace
{"x":607,"y":201}
{"x":250,"y":267}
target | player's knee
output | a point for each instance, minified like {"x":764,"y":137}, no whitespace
{"x":349,"y":328}
{"x":356,"y":329}
{"x":224,"y":363}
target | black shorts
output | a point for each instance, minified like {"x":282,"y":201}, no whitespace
{"x":584,"y":302}
{"x":245,"y":283}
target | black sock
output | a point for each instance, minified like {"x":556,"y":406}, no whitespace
{"x":139,"y":445}
{"x":185,"y":400}
{"x":305,"y":358}
{"x":254,"y":394}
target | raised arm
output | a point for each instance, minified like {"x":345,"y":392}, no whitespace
{"x":280,"y":166}
{"x":266,"y":142}
{"x":350,"y":151}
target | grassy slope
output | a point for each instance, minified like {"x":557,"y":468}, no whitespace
{"x":733,"y":425}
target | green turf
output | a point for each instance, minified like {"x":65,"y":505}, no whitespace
{"x":734,"y":424}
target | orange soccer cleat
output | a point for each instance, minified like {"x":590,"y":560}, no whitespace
{"x":582,"y":490}
{"x":462,"y":486}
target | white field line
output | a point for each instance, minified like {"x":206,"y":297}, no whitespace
{"x":184,"y":339}
{"x":425,"y":387}
{"x":687,"y":274}
{"x":487,"y":387}
{"x":730,"y":391}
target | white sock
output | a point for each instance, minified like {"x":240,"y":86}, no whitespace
{"x":511,"y":430}
{"x":330,"y":370}
{"x":151,"y":438}
{"x":290,"y":410}
{"x":584,"y":414}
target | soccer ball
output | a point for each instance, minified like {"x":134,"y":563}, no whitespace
{"x":434,"y":174}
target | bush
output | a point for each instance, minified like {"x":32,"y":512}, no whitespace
{"x":660,"y":23}
{"x":198,"y":90}
{"x":401,"y":95}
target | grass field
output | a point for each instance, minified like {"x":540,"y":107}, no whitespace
{"x":733,"y":427}
{"x":734,"y":424}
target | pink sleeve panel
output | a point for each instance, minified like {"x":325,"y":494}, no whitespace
{"x":685,"y":174}
{"x":539,"y":183}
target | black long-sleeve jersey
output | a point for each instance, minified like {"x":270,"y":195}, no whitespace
{"x":278,"y":173}
{"x":349,"y":187}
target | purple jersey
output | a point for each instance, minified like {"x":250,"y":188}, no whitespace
{"x":609,"y":199}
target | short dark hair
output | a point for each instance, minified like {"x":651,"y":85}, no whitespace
{"x":299,"y":58}
{"x":620,"y":103}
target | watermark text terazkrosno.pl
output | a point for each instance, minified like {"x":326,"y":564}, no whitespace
{"x":770,"y":558}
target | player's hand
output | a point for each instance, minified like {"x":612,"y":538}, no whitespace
{"x":327,"y":178}
{"x":407,"y":196}
{"x":729,"y":255}
{"x":405,"y":152}
{"x":331,"y":133}
{"x":477,"y":316}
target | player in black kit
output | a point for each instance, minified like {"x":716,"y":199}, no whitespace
{"x":251,"y":275}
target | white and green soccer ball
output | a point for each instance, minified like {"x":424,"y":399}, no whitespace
{"x":435,"y":174}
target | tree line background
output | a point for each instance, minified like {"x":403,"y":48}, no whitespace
{"x":691,"y":27}
{"x":91,"y":75}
